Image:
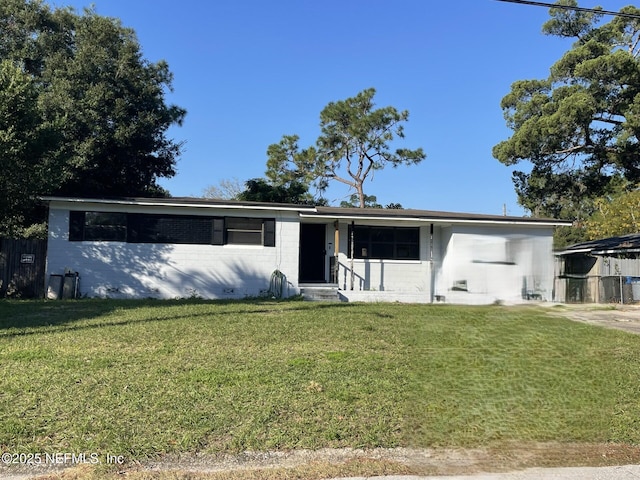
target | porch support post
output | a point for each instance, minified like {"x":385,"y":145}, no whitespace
{"x":351,"y":253}
{"x":336,"y":248}
{"x":432,"y":276}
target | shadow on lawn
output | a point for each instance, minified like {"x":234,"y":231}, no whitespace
{"x":32,"y":317}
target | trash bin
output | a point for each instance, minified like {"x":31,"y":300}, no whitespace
{"x":635,"y":288}
{"x":70,"y":285}
{"x":54,"y":288}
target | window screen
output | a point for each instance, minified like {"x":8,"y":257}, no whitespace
{"x":171,"y":229}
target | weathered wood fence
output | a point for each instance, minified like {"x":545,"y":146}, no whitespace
{"x":22,"y":267}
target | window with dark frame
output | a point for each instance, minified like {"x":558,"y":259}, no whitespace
{"x":385,"y":243}
{"x":98,"y":226}
{"x":244,"y":231}
{"x":177,"y":229}
{"x":171,"y":229}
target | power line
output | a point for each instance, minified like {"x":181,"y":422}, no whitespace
{"x":577,"y":9}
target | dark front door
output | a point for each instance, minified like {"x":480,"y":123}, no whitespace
{"x":312,"y":252}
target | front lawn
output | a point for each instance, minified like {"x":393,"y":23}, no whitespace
{"x":142,"y":378}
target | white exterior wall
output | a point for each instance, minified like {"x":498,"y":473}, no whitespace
{"x":142,"y":270}
{"x":495,"y":264}
{"x":492,"y":262}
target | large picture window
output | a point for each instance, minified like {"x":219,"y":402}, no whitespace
{"x":173,"y":229}
{"x":389,"y":243}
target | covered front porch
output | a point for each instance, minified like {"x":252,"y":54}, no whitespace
{"x":362,"y":260}
{"x":419,"y":256}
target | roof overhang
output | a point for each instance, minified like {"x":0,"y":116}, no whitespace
{"x":317,"y":213}
{"x":619,"y":245}
{"x":569,"y":252}
{"x":595,"y":253}
{"x":429,"y":216}
{"x":449,"y":220}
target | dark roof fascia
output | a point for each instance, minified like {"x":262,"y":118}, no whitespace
{"x":182,"y":202}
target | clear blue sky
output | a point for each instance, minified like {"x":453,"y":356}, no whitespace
{"x":250,"y":71}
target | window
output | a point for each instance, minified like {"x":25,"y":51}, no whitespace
{"x":98,"y":226}
{"x":145,"y":228}
{"x":173,"y":229}
{"x":249,"y":231}
{"x":391,"y":243}
{"x":244,"y":231}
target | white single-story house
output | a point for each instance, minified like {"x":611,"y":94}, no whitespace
{"x":183,"y":247}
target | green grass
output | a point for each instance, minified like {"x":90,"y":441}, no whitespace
{"x":151,"y":377}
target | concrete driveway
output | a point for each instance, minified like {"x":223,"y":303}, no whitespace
{"x":620,"y":317}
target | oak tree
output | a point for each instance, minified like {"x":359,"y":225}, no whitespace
{"x":23,"y":138}
{"x":98,"y":97}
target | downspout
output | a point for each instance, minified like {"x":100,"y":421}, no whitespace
{"x":431,"y":272}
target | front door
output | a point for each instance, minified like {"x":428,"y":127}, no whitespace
{"x":312,"y":252}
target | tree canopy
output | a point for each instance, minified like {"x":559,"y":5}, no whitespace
{"x":96,"y":108}
{"x":225,"y":189}
{"x":579,"y":129}
{"x":355,"y":141}
{"x":615,"y":216}
{"x":261,"y":190}
{"x":23,"y":137}
{"x":370,"y":201}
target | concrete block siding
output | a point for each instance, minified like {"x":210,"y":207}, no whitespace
{"x":378,"y":280}
{"x":142,"y":270}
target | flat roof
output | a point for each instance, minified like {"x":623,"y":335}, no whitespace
{"x":310,"y":211}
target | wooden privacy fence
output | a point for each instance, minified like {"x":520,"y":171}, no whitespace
{"x":22,"y":267}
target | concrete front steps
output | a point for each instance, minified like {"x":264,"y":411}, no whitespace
{"x":320,"y":292}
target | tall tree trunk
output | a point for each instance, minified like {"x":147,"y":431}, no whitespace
{"x":360,"y":191}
